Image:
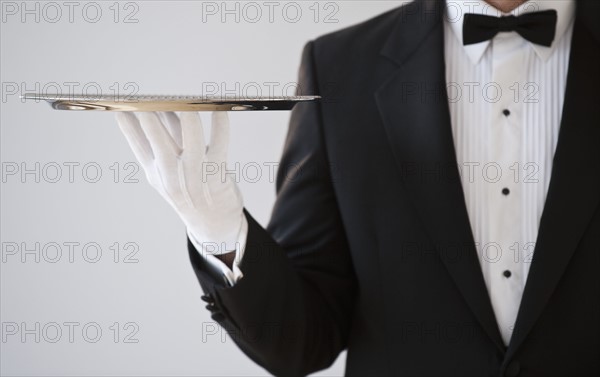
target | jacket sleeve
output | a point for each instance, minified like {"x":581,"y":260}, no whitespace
{"x":292,"y":311}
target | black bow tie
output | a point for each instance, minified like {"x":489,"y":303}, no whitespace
{"x":536,"y":27}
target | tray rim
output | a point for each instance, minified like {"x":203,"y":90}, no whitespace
{"x":163,"y":98}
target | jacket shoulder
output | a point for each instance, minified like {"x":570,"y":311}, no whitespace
{"x":369,"y":35}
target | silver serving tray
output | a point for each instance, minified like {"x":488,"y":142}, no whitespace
{"x":167,"y":103}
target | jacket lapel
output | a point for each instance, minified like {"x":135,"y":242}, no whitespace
{"x":574,"y":191}
{"x":413,"y":106}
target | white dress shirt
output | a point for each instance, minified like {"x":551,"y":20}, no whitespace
{"x":506,"y":97}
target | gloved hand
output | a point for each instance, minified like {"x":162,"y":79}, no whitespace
{"x":190,"y":175}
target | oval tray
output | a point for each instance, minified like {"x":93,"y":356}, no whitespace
{"x":167,"y":102}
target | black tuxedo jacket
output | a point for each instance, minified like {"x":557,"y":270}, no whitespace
{"x":369,"y":247}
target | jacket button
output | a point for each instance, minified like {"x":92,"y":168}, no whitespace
{"x":513,"y":369}
{"x":207,"y":298}
{"x":218,"y":316}
{"x":211,"y":307}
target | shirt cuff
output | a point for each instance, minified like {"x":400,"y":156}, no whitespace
{"x":231,"y":275}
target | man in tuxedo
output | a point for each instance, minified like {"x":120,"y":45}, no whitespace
{"x":442,"y":216}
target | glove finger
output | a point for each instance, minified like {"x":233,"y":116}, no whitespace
{"x":170,"y":168}
{"x":139,"y":144}
{"x":193,"y":143}
{"x":219,"y":137}
{"x":163,"y":145}
{"x":172,"y":124}
{"x":194,"y":148}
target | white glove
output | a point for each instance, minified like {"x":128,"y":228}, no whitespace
{"x":190,"y":176}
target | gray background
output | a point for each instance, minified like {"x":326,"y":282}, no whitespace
{"x":162,"y":47}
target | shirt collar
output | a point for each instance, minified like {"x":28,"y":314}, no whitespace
{"x":455,"y":10}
